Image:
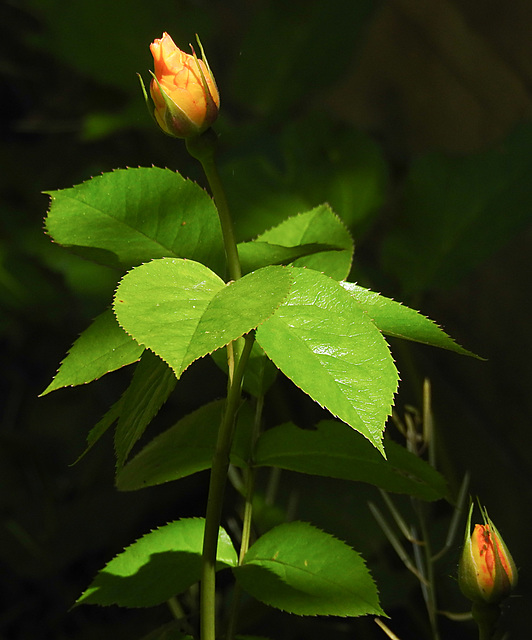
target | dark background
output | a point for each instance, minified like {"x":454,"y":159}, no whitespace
{"x":412,"y":119}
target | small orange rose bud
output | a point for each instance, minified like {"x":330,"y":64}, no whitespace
{"x":486,"y":573}
{"x":183,"y":90}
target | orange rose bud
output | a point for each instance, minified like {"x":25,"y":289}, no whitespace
{"x":487,"y":572}
{"x":183,"y":90}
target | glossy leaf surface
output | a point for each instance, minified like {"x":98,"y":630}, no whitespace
{"x":325,"y":343}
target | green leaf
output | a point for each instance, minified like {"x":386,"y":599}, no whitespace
{"x":130,"y":216}
{"x":186,"y":448}
{"x":298,"y":568}
{"x":394,"y":319}
{"x":152,"y":383}
{"x":157,"y":566}
{"x":334,"y":451}
{"x":110,"y":417}
{"x":101,"y":348}
{"x":183,"y":311}
{"x":325,"y":343}
{"x":320,"y":225}
{"x":256,"y":254}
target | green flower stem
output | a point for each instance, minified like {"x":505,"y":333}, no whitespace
{"x":220,"y":466}
{"x":486,"y":617}
{"x":249,"y":487}
{"x":203,"y":148}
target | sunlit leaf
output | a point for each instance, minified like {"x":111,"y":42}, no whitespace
{"x":130,"y":216}
{"x":320,"y":225}
{"x":325,"y":343}
{"x":103,"y":347}
{"x":182,"y":311}
{"x":399,"y":321}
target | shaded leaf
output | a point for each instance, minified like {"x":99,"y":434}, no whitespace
{"x":298,"y":568}
{"x":325,"y":343}
{"x":335,"y":451}
{"x":130,"y":216}
{"x":152,"y":383}
{"x":99,"y":429}
{"x":256,"y":254}
{"x":103,"y":347}
{"x":186,"y":448}
{"x":395,"y":319}
{"x":161,"y":564}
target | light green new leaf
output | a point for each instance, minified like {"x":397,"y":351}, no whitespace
{"x":296,"y":567}
{"x":182,"y":311}
{"x":320,"y":225}
{"x":326,"y":344}
{"x":186,"y":448}
{"x":101,"y":348}
{"x":157,"y":566}
{"x":394,"y":319}
{"x":130,"y":216}
{"x":152,"y":383}
{"x":334,"y":451}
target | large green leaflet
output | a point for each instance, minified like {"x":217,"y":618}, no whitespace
{"x":157,"y":566}
{"x":335,"y":451}
{"x":182,"y":310}
{"x":301,"y":569}
{"x":394,"y":319}
{"x":101,"y":348}
{"x":130,"y":216}
{"x":325,"y":343}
